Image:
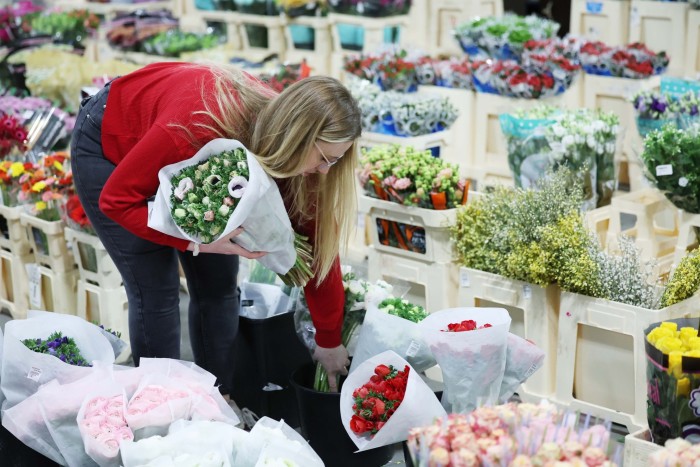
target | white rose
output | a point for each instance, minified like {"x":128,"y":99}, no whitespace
{"x":180,"y":213}
{"x":355,"y":287}
{"x":224,"y":210}
{"x":206,"y":201}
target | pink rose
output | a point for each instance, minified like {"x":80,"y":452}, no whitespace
{"x":209,"y":216}
{"x":594,"y":457}
{"x":402,"y":183}
{"x":445,"y":173}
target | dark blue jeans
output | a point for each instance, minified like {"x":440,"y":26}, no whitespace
{"x":150,"y":271}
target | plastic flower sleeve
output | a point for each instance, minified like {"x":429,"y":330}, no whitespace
{"x":24,"y":371}
{"x":472,"y":363}
{"x":25,"y":421}
{"x":420,"y":406}
{"x":260,"y":212}
{"x":102,"y":424}
{"x":2,"y":396}
{"x":523,"y":358}
{"x":381,"y":332}
{"x":673,"y":390}
{"x":209,"y":443}
{"x":157,"y":403}
{"x":270,"y":438}
{"x":529,"y":154}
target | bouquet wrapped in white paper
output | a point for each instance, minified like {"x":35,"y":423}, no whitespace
{"x":221,"y":196}
{"x":418,"y":404}
{"x":24,"y":371}
{"x":472,"y":362}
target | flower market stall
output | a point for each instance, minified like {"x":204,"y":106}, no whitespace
{"x":522,"y":287}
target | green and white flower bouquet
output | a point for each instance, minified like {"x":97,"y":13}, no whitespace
{"x":221,"y":188}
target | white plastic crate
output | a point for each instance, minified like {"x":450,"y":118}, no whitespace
{"x":613,"y":95}
{"x":692,"y":53}
{"x":486,"y":8}
{"x":656,"y":227}
{"x":438,"y":142}
{"x":662,"y":27}
{"x":48,"y":243}
{"x":638,"y":448}
{"x":108,"y":307}
{"x":601,"y":362}
{"x":601,"y":20}
{"x":686,"y":235}
{"x":276,"y":26}
{"x":94,"y":263}
{"x":14,"y":239}
{"x":432,"y":23}
{"x":435,"y":239}
{"x":318,"y":59}
{"x":489,"y":155}
{"x":433,"y":285}
{"x":534,"y":312}
{"x":51,"y":290}
{"x":458,"y":150}
{"x":14,"y":294}
{"x":373,"y":29}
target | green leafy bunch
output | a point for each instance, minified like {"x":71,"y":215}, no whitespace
{"x":409,"y":176}
{"x":403,"y":309}
{"x":672,"y":160}
{"x":205,"y":209}
{"x":685,"y":281}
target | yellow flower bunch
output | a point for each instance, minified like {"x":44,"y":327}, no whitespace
{"x":676,"y":344}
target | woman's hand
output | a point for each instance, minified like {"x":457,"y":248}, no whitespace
{"x":335,"y":361}
{"x":225,"y":246}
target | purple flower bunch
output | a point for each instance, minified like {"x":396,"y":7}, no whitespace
{"x":62,"y":347}
{"x":653,"y":105}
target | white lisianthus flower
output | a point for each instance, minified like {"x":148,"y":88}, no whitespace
{"x":590,"y":141}
{"x":567,"y":141}
{"x":558,"y":130}
{"x":224,"y":210}
{"x":179,"y":212}
{"x":206,"y":201}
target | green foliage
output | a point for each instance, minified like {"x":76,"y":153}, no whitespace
{"x":685,"y":281}
{"x":679,"y":149}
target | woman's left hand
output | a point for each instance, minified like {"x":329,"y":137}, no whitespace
{"x":335,"y":361}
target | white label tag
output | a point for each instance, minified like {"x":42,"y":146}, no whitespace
{"x":413,"y":349}
{"x":34,"y":279}
{"x":34,"y":374}
{"x":635,"y":17}
{"x":683,"y":182}
{"x":463,"y":279}
{"x":527,"y":292}
{"x":662,"y":170}
{"x":361,"y":221}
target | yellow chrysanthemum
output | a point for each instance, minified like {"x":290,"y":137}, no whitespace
{"x":669,"y":344}
{"x":687,"y":333}
{"x":58,"y":166}
{"x":40,"y":205}
{"x":657,"y":333}
{"x":39,"y":186}
{"x":669,"y":325}
{"x":693,"y":343}
{"x":675,"y":359}
{"x":16,"y":169}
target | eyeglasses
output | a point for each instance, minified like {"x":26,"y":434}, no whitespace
{"x":328,"y":164}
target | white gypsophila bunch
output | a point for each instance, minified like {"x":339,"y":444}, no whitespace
{"x":626,"y":277}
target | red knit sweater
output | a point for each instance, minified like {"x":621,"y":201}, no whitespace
{"x":137,"y":138}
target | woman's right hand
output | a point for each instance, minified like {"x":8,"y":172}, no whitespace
{"x":225,"y":246}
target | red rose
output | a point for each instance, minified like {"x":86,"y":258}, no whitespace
{"x":382,"y":370}
{"x":359,"y":425}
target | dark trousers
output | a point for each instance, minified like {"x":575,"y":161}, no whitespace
{"x":150,"y":271}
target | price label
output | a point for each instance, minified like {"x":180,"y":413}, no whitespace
{"x":463,"y":279}
{"x":34,"y":374}
{"x":663,"y":170}
{"x":635,"y":19}
{"x":527,"y":292}
{"x":595,"y":8}
{"x":34,"y":279}
{"x":683,"y":182}
{"x":413,"y":349}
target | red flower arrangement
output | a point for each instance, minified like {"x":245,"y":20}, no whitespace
{"x":377,"y":400}
{"x":634,"y":60}
{"x":466,"y":325}
{"x":12,"y":135}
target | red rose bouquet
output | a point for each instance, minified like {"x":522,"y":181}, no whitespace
{"x":383,"y":399}
{"x":12,"y":135}
{"x":378,"y":399}
{"x":466,"y":325}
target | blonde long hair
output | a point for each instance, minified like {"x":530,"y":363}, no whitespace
{"x":281,"y":130}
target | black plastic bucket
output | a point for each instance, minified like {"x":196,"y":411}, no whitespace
{"x":319,"y":413}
